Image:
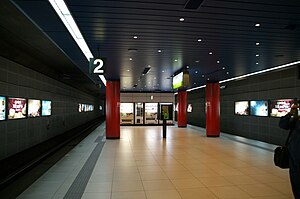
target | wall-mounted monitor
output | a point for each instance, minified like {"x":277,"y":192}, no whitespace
{"x":178,"y":80}
{"x":189,"y":108}
{"x":46,"y":108}
{"x":2,"y":108}
{"x":241,"y":108}
{"x":34,"y":108}
{"x":280,"y":107}
{"x":181,"y":80}
{"x":17,"y":108}
{"x":259,"y":108}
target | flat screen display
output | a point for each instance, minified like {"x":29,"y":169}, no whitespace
{"x":46,"y":108}
{"x":166,"y":111}
{"x":34,"y":108}
{"x":259,"y":108}
{"x":281,"y":107}
{"x":241,"y":108}
{"x":2,"y":108}
{"x":178,"y":80}
{"x":17,"y":108}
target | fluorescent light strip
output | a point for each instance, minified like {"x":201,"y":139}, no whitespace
{"x":250,"y":74}
{"x":65,"y":15}
{"x":103,"y":79}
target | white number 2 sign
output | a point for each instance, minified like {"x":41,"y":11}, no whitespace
{"x":99,"y":64}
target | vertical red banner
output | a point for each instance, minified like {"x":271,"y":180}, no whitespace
{"x":212,"y":107}
{"x":182,"y":105}
{"x":113,"y":109}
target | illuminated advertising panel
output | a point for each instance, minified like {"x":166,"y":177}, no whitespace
{"x":259,"y":108}
{"x":34,"y":108}
{"x":17,"y":108}
{"x":2,"y":108}
{"x":178,"y":81}
{"x":46,"y":108}
{"x":241,"y":108}
{"x":281,"y":107}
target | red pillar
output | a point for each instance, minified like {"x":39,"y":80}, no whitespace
{"x":212,"y":107}
{"x":182,"y":105}
{"x":113,"y":109}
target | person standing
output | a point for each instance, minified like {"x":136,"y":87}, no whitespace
{"x":291,"y":121}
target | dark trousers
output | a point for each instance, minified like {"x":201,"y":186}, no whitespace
{"x":295,"y":176}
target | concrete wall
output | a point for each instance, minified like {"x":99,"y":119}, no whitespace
{"x":274,"y":85}
{"x":19,"y":81}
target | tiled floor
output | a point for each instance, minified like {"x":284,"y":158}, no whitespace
{"x":186,"y":165}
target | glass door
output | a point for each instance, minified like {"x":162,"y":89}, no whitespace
{"x":151,"y":110}
{"x":139,"y":113}
{"x":126,"y":113}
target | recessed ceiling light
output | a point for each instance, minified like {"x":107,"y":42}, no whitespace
{"x":194,"y":82}
{"x":227,"y":73}
{"x":218,"y":62}
{"x":175,"y":60}
{"x":256,"y":63}
{"x":127,"y":70}
{"x":130,"y":59}
{"x":159,"y":51}
{"x":187,"y":66}
{"x":197,"y":61}
{"x":210,"y":53}
{"x":199,"y":40}
{"x":257,"y":55}
{"x":257,"y":43}
{"x":257,"y":25}
{"x":135,"y":37}
{"x":202,"y":75}
{"x":181,"y":19}
{"x":163,"y":71}
{"x":207,"y":78}
{"x":196,"y":71}
{"x":223,"y":67}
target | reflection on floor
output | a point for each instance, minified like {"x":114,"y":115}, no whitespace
{"x":187,"y":165}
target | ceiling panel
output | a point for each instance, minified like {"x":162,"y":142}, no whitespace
{"x":226,"y":28}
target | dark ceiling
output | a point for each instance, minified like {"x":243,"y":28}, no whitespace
{"x":226,"y":29}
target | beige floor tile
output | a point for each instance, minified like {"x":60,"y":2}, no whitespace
{"x":267,"y":178}
{"x":187,"y":183}
{"x":240,"y":180}
{"x":199,"y":193}
{"x":163,"y":194}
{"x":145,"y":169}
{"x":99,"y":187}
{"x":150,"y":185}
{"x":256,"y":190}
{"x":215,"y":181}
{"x":153,"y":175}
{"x":127,"y":186}
{"x":179,"y":174}
{"x":282,"y":187}
{"x":252,"y":171}
{"x":129,"y":195}
{"x":275,"y":197}
{"x":96,"y":196}
{"x":229,"y":192}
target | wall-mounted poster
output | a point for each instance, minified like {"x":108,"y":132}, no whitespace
{"x":259,"y":108}
{"x":241,"y":108}
{"x":46,"y":108}
{"x":2,"y":108}
{"x":280,"y":107}
{"x":34,"y":108}
{"x":16,"y":108}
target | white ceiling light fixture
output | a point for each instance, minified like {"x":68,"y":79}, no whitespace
{"x":257,"y":43}
{"x":135,"y":37}
{"x":181,"y":19}
{"x":257,"y":25}
{"x":257,"y":55}
{"x":159,"y":51}
{"x":210,"y":53}
{"x":199,"y":40}
{"x":65,"y":15}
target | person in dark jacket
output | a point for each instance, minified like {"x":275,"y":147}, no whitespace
{"x":291,"y":121}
